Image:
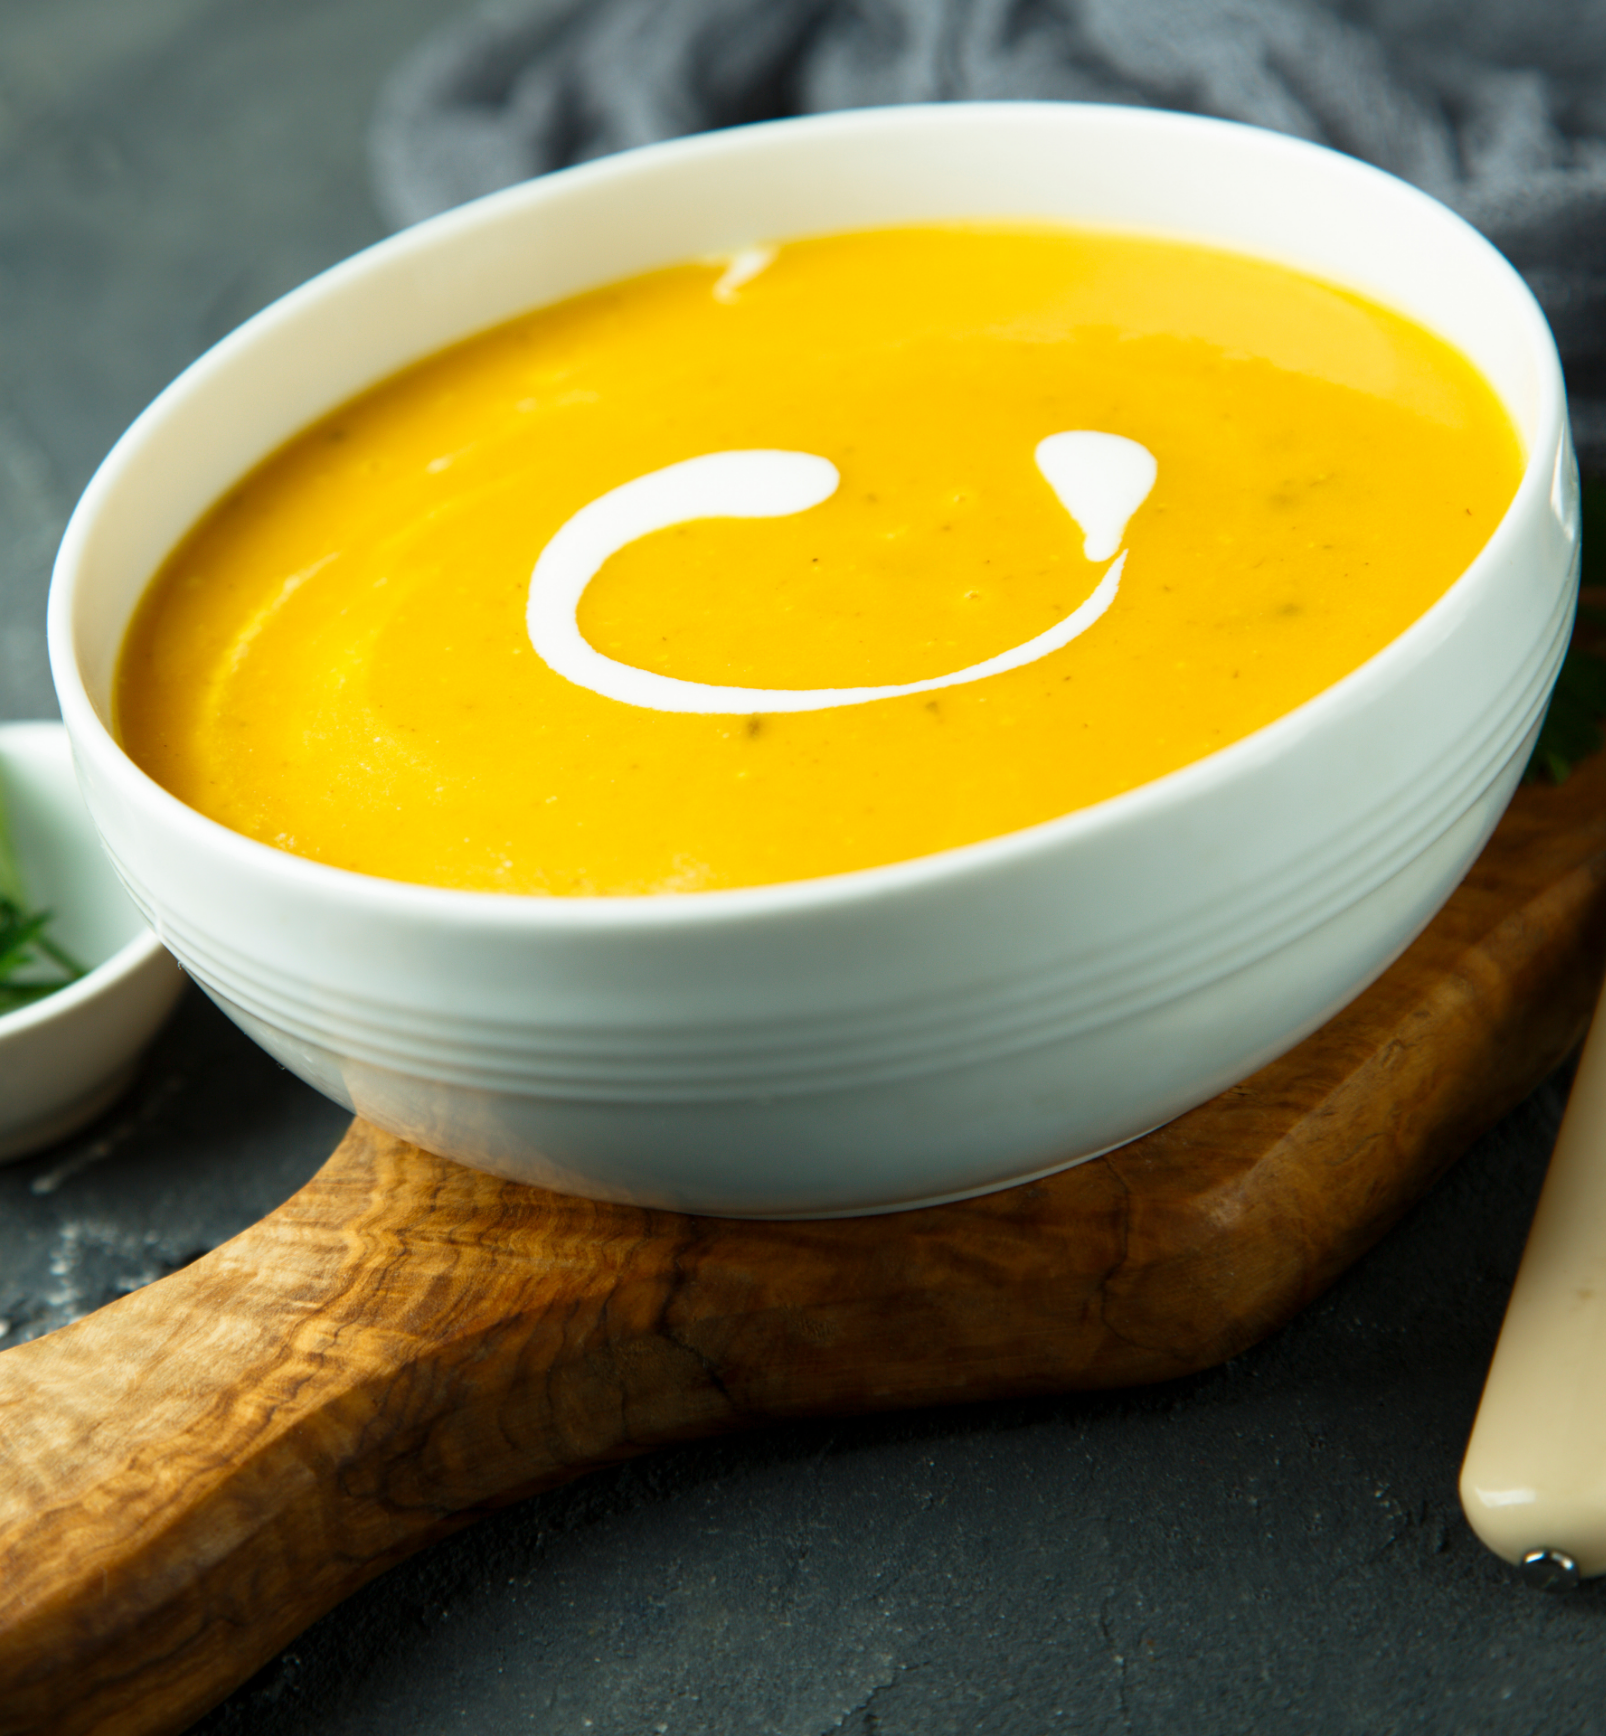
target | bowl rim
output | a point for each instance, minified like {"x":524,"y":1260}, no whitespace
{"x":101,"y":979}
{"x":496,"y":911}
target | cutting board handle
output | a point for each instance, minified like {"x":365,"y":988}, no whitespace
{"x":195,"y":1472}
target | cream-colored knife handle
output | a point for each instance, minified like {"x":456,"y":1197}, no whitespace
{"x":1534,"y":1481}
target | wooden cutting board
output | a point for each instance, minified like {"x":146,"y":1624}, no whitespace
{"x":193,"y":1474}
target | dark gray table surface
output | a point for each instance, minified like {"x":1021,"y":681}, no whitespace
{"x":1275,"y":1545}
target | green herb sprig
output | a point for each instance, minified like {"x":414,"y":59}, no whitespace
{"x":1572,"y":728}
{"x":32,"y":965}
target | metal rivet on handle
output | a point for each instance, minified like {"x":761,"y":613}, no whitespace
{"x":1550,"y":1569}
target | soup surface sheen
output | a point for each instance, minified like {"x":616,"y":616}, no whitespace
{"x":1184,"y":490}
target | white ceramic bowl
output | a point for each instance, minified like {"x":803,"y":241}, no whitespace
{"x":907,"y":1033}
{"x":66,"y":1058}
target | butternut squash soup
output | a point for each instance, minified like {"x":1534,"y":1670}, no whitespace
{"x":818,"y":557}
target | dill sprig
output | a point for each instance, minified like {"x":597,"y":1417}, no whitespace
{"x":1572,"y":728}
{"x":32,"y":965}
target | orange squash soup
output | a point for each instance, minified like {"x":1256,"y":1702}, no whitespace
{"x":824,"y":556}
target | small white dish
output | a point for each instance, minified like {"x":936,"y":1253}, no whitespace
{"x":67,"y":1057}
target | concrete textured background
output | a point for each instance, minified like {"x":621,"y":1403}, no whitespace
{"x":1275,"y":1545}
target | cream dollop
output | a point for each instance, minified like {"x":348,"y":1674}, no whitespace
{"x":1100,"y":480}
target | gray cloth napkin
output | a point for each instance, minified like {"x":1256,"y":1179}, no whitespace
{"x":1498,"y":107}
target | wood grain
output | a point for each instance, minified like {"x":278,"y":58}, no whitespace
{"x":193,"y":1474}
